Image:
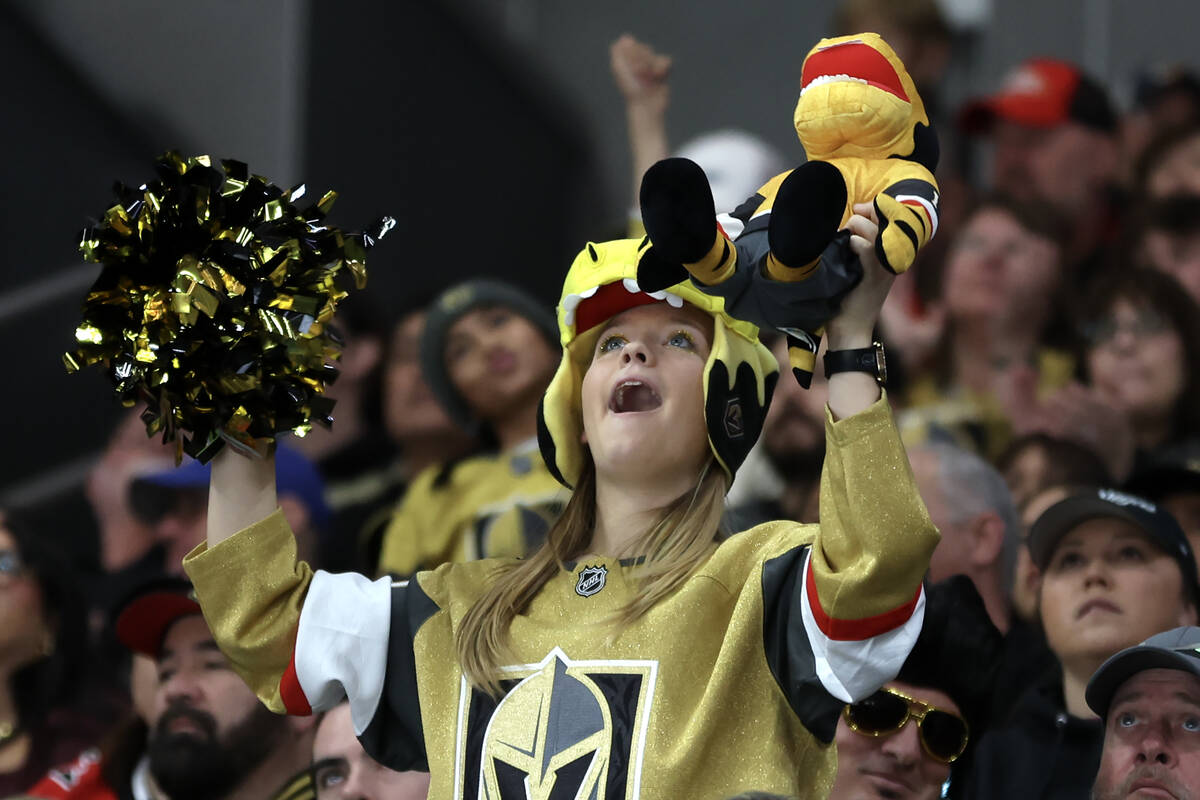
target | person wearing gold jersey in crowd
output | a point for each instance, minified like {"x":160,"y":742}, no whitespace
{"x":487,"y":351}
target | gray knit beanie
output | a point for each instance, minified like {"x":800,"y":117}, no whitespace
{"x":448,"y":308}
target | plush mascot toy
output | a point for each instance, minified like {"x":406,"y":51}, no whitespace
{"x":868,"y":139}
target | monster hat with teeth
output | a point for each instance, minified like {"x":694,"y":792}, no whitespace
{"x":739,"y":375}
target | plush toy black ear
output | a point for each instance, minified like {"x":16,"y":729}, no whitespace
{"x":678,"y":211}
{"x":807,"y":212}
{"x":926,"y":150}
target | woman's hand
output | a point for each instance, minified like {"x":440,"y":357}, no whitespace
{"x":854,"y":326}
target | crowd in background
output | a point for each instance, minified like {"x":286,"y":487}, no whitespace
{"x":1043,"y":359}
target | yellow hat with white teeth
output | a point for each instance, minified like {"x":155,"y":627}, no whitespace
{"x":739,"y":375}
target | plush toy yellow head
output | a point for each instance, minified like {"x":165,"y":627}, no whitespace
{"x":739,"y":375}
{"x":857,"y":100}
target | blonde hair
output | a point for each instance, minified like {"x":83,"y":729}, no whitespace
{"x":673,"y":549}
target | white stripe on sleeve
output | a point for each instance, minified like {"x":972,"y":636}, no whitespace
{"x":342,"y":643}
{"x":852,"y":669}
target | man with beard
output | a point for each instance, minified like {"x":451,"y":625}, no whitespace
{"x":1149,"y":699}
{"x":209,"y":737}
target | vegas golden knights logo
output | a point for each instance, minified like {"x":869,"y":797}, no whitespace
{"x":564,"y":730}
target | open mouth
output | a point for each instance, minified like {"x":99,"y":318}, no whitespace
{"x":633,"y":396}
{"x":851,"y":61}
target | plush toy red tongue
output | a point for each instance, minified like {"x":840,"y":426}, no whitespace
{"x":856,"y":59}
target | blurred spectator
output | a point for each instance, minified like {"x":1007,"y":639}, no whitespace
{"x":416,"y":423}
{"x":488,"y":352}
{"x":781,"y":476}
{"x":1052,"y":131}
{"x":175,"y":503}
{"x":1000,"y":289}
{"x":1168,"y":239}
{"x":943,"y":689}
{"x":1037,"y":461}
{"x":351,"y":454}
{"x":342,"y":769}
{"x":1165,"y":99}
{"x":1149,"y":699}
{"x":208,"y":736}
{"x":48,"y":711}
{"x":737,"y":163}
{"x":130,"y":452}
{"x":1141,"y":356}
{"x":1172,"y":480}
{"x":981,"y":537}
{"x":1170,"y":165}
{"x":969,"y":503}
{"x":1115,"y":570}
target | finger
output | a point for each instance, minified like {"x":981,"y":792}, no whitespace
{"x":866,"y":210}
{"x":860,"y":246}
{"x":861,"y":226}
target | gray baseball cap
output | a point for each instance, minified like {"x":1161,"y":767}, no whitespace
{"x":1178,"y":648}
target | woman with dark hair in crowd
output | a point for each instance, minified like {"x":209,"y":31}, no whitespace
{"x":42,"y":661}
{"x":1140,"y":352}
{"x":1000,"y":289}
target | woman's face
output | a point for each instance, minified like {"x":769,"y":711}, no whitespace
{"x":1107,"y":587}
{"x":1136,"y":361}
{"x":643,"y":395}
{"x":998,"y":270}
{"x":22,"y":627}
{"x":498,"y":361}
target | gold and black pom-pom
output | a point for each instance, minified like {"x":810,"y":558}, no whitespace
{"x":214,"y":302}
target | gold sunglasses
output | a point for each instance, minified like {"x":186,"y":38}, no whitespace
{"x":943,"y":734}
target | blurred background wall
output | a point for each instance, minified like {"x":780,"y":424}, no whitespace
{"x":490,"y":128}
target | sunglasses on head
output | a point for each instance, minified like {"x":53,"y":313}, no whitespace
{"x":943,"y":734}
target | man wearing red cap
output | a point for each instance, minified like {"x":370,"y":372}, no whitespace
{"x":209,"y":738}
{"x":1053,"y":135}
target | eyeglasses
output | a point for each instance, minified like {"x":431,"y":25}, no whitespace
{"x":11,"y":566}
{"x":943,"y":734}
{"x":1145,"y":324}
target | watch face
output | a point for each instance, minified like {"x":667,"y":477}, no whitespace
{"x":880,"y":364}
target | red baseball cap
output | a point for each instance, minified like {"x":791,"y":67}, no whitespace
{"x":146,"y":615}
{"x":1042,"y":93}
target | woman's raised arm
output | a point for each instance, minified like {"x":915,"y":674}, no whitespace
{"x":241,"y":492}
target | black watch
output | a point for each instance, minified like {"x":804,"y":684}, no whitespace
{"x":865,"y":359}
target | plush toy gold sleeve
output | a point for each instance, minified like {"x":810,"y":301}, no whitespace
{"x":868,"y":139}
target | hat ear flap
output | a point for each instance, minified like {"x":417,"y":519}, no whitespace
{"x":560,"y":426}
{"x":736,"y":406}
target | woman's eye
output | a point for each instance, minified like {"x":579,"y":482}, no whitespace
{"x":1068,"y":561}
{"x":682,"y":339}
{"x":1131,"y":553}
{"x":1191,"y":724}
{"x":611,"y":343}
{"x":327,"y":778}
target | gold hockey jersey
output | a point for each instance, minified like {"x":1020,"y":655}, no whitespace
{"x":484,"y":506}
{"x":735,"y":682}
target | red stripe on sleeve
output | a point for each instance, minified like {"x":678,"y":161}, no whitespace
{"x":855,"y":629}
{"x":919,"y":206}
{"x":290,"y":692}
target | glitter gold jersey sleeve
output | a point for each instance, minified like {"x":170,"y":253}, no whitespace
{"x":734,"y":682}
{"x":452,"y":514}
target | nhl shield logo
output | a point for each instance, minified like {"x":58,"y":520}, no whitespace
{"x":591,"y":580}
